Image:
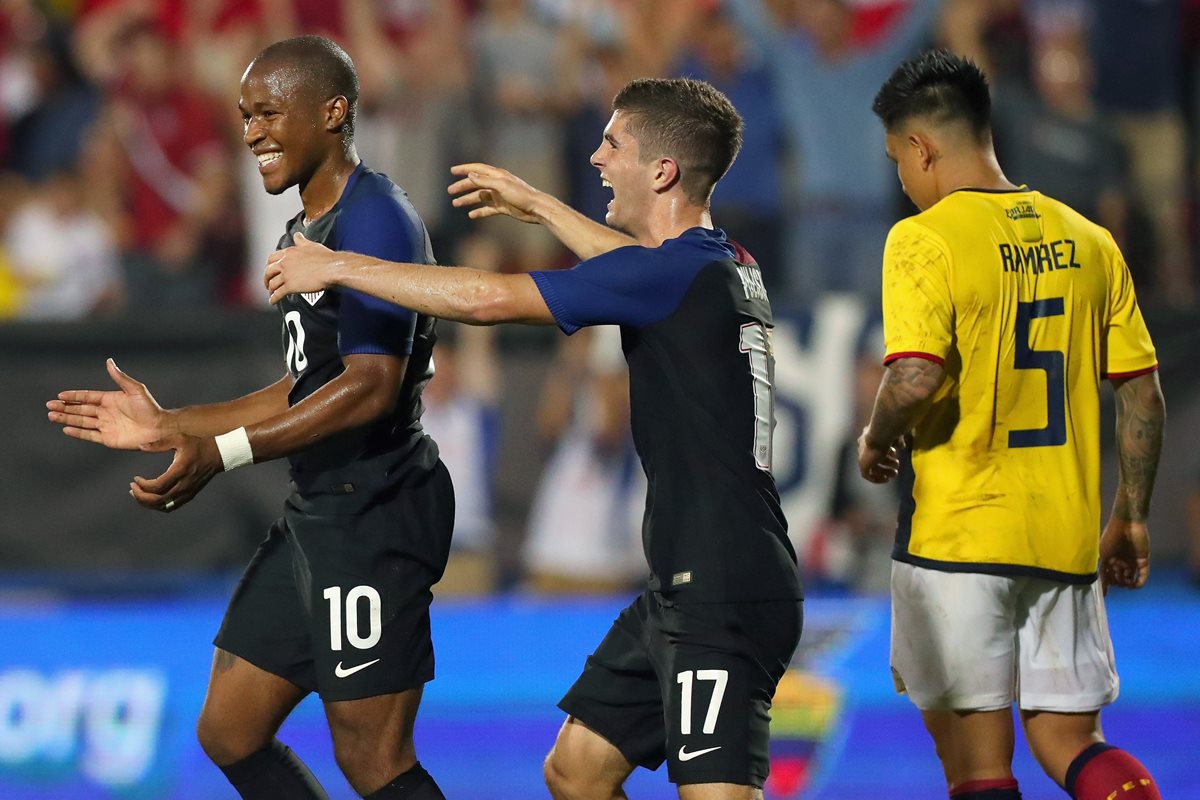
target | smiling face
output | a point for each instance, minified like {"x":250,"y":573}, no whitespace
{"x":285,"y":127}
{"x":619,"y":160}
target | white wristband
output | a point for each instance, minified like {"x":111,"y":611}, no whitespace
{"x":235,"y":449}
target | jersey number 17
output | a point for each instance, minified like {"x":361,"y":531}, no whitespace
{"x":755,"y":341}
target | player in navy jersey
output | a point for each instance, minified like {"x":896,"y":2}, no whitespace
{"x":688,"y":671}
{"x":336,"y":600}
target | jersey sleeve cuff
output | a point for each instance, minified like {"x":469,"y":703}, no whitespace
{"x":890,"y":357}
{"x":558,"y":310}
{"x":1130,"y":374}
{"x":403,"y":350}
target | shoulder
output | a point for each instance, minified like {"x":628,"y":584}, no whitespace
{"x":919,"y":235}
{"x":1082,"y":229}
{"x":375,"y":195}
{"x":377,"y":218}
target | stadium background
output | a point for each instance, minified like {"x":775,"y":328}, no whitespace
{"x":107,"y":611}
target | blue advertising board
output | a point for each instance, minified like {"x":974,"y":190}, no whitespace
{"x":98,"y":699}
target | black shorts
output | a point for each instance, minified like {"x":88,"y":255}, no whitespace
{"x":690,"y":684}
{"x":336,"y":600}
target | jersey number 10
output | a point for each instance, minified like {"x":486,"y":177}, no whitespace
{"x":1049,"y":361}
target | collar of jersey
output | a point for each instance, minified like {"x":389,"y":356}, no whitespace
{"x":1022,"y":189}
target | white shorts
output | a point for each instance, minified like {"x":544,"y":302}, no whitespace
{"x":967,"y":641}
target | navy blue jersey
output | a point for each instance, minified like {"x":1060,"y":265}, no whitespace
{"x":373,"y":217}
{"x":695,"y":328}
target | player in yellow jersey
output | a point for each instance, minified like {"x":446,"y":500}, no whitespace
{"x":1003,"y":312}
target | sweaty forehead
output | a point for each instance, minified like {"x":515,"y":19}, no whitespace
{"x":277,"y":81}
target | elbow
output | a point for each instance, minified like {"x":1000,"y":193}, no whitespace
{"x":489,"y":304}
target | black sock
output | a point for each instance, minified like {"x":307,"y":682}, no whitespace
{"x":274,"y":773}
{"x":416,"y":784}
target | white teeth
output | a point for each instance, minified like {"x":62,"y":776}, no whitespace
{"x":268,"y":158}
{"x":606,"y":184}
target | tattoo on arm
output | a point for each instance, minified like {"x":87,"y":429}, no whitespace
{"x":1141,"y":414}
{"x":906,"y":387}
{"x":223,"y":661}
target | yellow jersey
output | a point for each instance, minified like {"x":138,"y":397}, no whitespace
{"x":1028,"y":306}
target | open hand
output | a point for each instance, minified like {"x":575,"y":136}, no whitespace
{"x":303,"y":267}
{"x":196,"y":461}
{"x":1124,"y":555}
{"x":493,"y":191}
{"x":124,"y":419}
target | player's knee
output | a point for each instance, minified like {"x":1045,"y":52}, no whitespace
{"x":562,"y":780}
{"x":224,"y":744}
{"x":369,"y":761}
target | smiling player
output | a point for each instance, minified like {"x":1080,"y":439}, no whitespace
{"x":337,"y":598}
{"x":687,"y":672}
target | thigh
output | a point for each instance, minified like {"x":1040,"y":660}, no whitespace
{"x":972,"y":745}
{"x":618,"y":696}
{"x":367,"y":578}
{"x":266,"y":623}
{"x":243,"y":708}
{"x":718,"y":666}
{"x":1066,"y":660}
{"x":953,"y":638}
{"x":383,"y":722}
{"x":582,"y":757}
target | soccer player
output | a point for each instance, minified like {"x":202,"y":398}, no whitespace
{"x":337,"y":598}
{"x":1003,"y":310}
{"x":687,"y":672}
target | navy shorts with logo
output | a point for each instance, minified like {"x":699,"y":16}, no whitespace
{"x":690,"y":684}
{"x":336,"y":600}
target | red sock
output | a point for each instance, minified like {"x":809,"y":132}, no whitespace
{"x":1104,"y":772}
{"x":999,"y":789}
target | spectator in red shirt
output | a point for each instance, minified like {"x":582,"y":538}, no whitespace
{"x":173,"y":174}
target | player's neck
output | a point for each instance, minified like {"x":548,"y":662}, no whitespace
{"x":670,"y":219}
{"x":975,"y":170}
{"x":322,"y":191}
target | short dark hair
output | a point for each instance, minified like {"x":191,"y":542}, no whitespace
{"x":937,"y":84}
{"x":687,"y":120}
{"x":324,"y":69}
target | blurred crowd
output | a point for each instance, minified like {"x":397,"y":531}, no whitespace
{"x":125,"y":185}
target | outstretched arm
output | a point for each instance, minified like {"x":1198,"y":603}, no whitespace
{"x":365,"y":391}
{"x":129,"y":417}
{"x":461,"y":294}
{"x":495,"y":191}
{"x":904,"y":392}
{"x":1125,"y":545}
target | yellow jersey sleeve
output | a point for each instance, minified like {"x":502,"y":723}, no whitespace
{"x":1128,"y":350}
{"x":918,"y":311}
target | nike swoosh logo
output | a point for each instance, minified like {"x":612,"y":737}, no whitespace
{"x":686,"y":756}
{"x":346,"y":673}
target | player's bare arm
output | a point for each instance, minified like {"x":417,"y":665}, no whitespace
{"x":365,"y":391}
{"x":904,"y":392}
{"x":462,"y":294}
{"x":494,"y":191}
{"x":129,"y":417}
{"x":1125,"y":545}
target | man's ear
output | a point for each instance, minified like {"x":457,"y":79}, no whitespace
{"x":337,"y":113}
{"x":666,"y":174}
{"x":926,"y":149}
